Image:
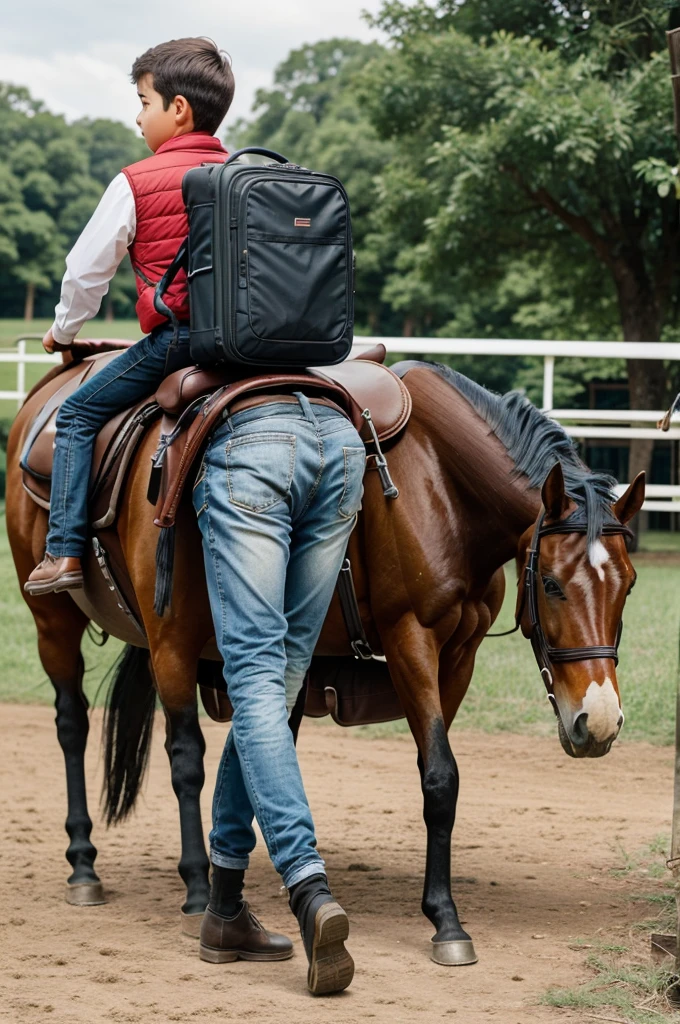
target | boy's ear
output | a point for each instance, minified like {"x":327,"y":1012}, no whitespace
{"x":184,"y":115}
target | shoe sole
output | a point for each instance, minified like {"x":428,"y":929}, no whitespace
{"x":331,"y":968}
{"x":229,"y":956}
{"x":71,"y":581}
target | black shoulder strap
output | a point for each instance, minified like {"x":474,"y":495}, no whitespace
{"x":180,"y":260}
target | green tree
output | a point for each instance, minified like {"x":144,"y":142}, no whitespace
{"x":313,"y":115}
{"x":519,"y":147}
{"x":52,"y":176}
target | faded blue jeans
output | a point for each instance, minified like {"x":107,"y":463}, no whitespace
{"x":276,"y":497}
{"x":133,"y":375}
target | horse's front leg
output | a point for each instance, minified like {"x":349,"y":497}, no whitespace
{"x":60,"y":629}
{"x":413,"y":656}
{"x":185,"y":746}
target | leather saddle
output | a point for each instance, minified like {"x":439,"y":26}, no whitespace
{"x":108,"y":596}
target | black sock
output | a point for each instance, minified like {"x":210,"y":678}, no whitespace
{"x":302,"y":892}
{"x":226,"y":891}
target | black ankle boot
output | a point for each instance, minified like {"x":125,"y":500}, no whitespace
{"x":324,"y":926}
{"x":226,"y":891}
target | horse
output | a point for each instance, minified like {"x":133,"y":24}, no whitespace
{"x":482,"y":479}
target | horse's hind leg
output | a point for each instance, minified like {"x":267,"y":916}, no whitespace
{"x":412,"y":657}
{"x":60,"y":627}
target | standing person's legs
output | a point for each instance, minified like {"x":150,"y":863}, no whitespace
{"x":273,"y":479}
{"x":243,"y":501}
{"x":320,"y":544}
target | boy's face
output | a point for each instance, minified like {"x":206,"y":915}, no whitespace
{"x":157,"y":124}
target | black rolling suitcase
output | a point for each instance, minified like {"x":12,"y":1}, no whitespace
{"x":270,"y":265}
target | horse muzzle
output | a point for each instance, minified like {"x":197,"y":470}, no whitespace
{"x":590,"y":729}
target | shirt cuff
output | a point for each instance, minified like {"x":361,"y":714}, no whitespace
{"x":62,"y":339}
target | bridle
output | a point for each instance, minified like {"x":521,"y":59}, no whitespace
{"x":546,"y":655}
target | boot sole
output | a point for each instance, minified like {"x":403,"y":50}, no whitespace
{"x":230,"y":956}
{"x":71,"y":581}
{"x":331,"y":968}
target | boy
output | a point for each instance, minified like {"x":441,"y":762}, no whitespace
{"x":186,"y":87}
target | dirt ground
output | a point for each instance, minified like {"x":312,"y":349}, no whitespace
{"x":535,"y":843}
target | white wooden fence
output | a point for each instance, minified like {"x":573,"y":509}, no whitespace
{"x":586,"y":424}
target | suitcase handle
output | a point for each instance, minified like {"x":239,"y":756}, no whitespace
{"x":260,"y":152}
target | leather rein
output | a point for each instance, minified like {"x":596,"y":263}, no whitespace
{"x":545,"y":654}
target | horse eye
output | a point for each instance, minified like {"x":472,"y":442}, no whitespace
{"x":552,"y":588}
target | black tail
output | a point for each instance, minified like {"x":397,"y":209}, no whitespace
{"x":165,"y":567}
{"x":128,"y":724}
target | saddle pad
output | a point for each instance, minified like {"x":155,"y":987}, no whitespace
{"x":371,"y":385}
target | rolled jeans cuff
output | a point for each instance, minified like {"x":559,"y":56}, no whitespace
{"x":312,"y":867}
{"x":235,"y":863}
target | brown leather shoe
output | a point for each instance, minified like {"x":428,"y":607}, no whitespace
{"x":224,"y":940}
{"x":55,"y":574}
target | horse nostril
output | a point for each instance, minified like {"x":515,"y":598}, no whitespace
{"x":580,"y":729}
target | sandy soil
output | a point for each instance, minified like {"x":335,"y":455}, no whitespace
{"x":536,"y":839}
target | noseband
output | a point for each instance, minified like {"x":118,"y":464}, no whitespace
{"x":546,"y":655}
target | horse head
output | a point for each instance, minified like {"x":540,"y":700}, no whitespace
{"x":573,"y":584}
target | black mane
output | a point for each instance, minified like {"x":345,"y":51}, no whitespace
{"x":534,"y":443}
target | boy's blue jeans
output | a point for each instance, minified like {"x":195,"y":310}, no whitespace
{"x":276,"y":498}
{"x":133,"y":375}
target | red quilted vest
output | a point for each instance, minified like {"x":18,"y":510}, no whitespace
{"x":162,"y":225}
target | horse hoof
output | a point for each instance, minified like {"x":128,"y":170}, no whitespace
{"x":85,"y":894}
{"x":456,"y":953}
{"x":190,"y":924}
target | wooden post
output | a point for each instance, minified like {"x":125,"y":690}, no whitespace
{"x":675,"y":832}
{"x":673,"y":38}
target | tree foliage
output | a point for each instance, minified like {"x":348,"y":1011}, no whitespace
{"x":52,"y":175}
{"x":313,"y":115}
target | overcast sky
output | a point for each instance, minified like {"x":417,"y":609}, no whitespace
{"x":76,"y":54}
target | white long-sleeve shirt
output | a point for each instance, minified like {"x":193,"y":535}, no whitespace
{"x":94,"y":259}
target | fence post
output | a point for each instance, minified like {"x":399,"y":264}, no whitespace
{"x":21,"y":373}
{"x":548,"y":381}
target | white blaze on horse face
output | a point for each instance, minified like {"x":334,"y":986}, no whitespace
{"x":598,"y":555}
{"x":601,"y":704}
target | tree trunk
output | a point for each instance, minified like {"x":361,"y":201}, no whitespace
{"x":108,"y":315}
{"x":647,"y":382}
{"x":29,"y":304}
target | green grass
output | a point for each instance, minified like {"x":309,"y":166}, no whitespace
{"x":10,"y":330}
{"x":662,"y":541}
{"x":23,"y":679}
{"x":624,"y":988}
{"x":506,"y":694}
{"x":625,"y":984}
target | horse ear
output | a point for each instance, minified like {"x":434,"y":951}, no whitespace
{"x":555,"y":500}
{"x":630,"y":503}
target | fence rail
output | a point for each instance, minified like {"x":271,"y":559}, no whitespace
{"x":585,"y":424}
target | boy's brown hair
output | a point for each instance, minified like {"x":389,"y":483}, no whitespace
{"x":193,"y":68}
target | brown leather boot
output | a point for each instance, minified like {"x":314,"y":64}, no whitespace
{"x":225,"y":939}
{"x":55,"y":574}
